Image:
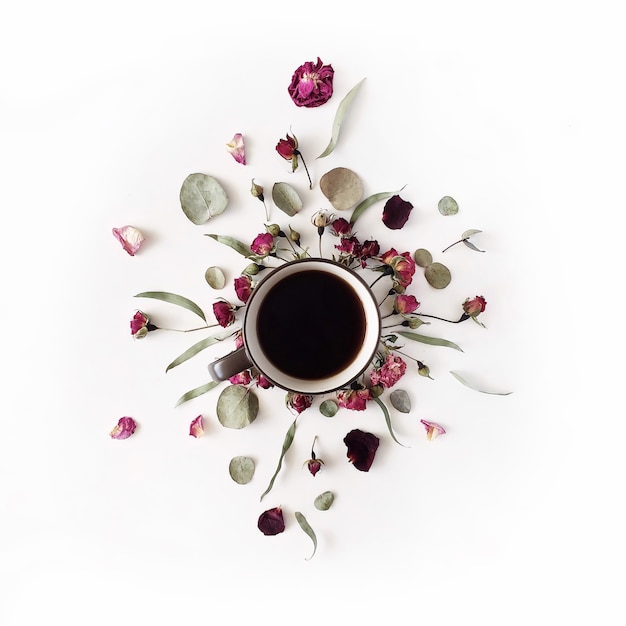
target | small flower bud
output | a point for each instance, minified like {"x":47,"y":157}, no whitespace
{"x":257,"y":191}
{"x":294,"y":235}
{"x":376,"y":390}
{"x":251,"y":270}
{"x":415,"y":322}
{"x":423,"y":370}
{"x":273,"y":229}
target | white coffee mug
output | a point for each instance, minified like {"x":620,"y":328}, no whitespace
{"x":309,"y":309}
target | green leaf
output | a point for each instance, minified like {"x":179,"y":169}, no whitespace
{"x":197,"y":347}
{"x":173,"y":298}
{"x":286,"y":198}
{"x":329,"y":408}
{"x":400,"y":400}
{"x":431,"y":341}
{"x":437,"y":275}
{"x":241,"y":469}
{"x":324,"y":501}
{"x":237,"y":407}
{"x":202,"y":197}
{"x":198,"y":391}
{"x":448,"y":206}
{"x":381,"y":404}
{"x":235,"y":244}
{"x":286,"y":445}
{"x":339,"y":116}
{"x":472,"y":386}
{"x":373,"y":199}
{"x":215,"y":277}
{"x":308,"y":530}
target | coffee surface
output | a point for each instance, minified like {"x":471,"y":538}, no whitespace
{"x":311,"y":325}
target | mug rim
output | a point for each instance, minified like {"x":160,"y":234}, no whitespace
{"x":353,"y":275}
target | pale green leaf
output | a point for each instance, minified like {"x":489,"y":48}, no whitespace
{"x":339,"y":117}
{"x":475,"y":388}
{"x":286,"y":198}
{"x":324,"y":501}
{"x":237,"y":407}
{"x":235,"y":244}
{"x":373,"y":199}
{"x":215,"y":277}
{"x":173,"y":298}
{"x":381,"y":404}
{"x":448,"y":206}
{"x":202,"y":197}
{"x":308,"y":530}
{"x":329,"y":408}
{"x":198,"y":347}
{"x":198,"y":391}
{"x":400,"y":400}
{"x":241,"y":469}
{"x":431,"y":341}
{"x":286,"y":445}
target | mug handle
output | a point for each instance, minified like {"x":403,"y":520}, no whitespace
{"x":229,"y":365}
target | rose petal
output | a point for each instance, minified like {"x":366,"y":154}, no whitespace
{"x":237,"y":149}
{"x":362,"y":448}
{"x":124,"y":429}
{"x":432,"y":430}
{"x":130,"y":238}
{"x":271,"y":522}
{"x":396,"y":212}
{"x":196,"y":428}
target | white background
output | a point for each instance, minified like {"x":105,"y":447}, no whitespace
{"x":512,"y":517}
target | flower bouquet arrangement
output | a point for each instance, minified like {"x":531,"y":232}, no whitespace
{"x":331,"y":235}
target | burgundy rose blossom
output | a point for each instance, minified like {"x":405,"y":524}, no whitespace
{"x":124,"y":428}
{"x":354,"y":399}
{"x":362,"y":448}
{"x":396,"y":212}
{"x":288,"y":149}
{"x":389,"y":373}
{"x":243,"y":288}
{"x":224,"y":313}
{"x":405,"y":304}
{"x":402,"y":266}
{"x":298,"y":402}
{"x":140,"y":325}
{"x":341,"y":227}
{"x":262,"y":244}
{"x":314,"y":464}
{"x":271,"y":522}
{"x":311,"y":84}
{"x":475,"y":306}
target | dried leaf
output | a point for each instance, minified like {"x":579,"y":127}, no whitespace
{"x":381,"y":404}
{"x":198,"y":391}
{"x":365,"y":204}
{"x":448,"y":206}
{"x":329,"y":408}
{"x":308,"y":530}
{"x":431,"y":341}
{"x":438,"y":275}
{"x":237,"y":407}
{"x":215,"y":278}
{"x":241,"y":469}
{"x":423,"y":257}
{"x":342,"y":187}
{"x":235,"y":244}
{"x":472,"y":386}
{"x":339,"y":117}
{"x":324,"y":501}
{"x":400,"y":400}
{"x":286,"y":445}
{"x":202,"y":197}
{"x":198,"y":347}
{"x":286,"y":198}
{"x":173,"y":298}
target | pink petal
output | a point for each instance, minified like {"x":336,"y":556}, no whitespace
{"x":124,"y":429}
{"x":433,"y":430}
{"x":130,"y":238}
{"x":237,"y":149}
{"x":196,"y":428}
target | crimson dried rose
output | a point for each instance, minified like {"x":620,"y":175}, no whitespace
{"x":402,"y":266}
{"x":369,"y":248}
{"x":475,"y":306}
{"x":354,"y":399}
{"x":396,"y":212}
{"x":389,"y":373}
{"x":243,"y":288}
{"x":341,"y":227}
{"x":362,"y":448}
{"x":298,"y":402}
{"x":243,"y":378}
{"x":288,"y":149}
{"x":262,"y":244}
{"x":311,"y":84}
{"x":314,"y":464}
{"x":405,"y":304}
{"x":124,"y":428}
{"x":271,"y":522}
{"x":140,"y":325}
{"x":224,"y":313}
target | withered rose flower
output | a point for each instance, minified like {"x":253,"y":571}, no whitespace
{"x":263,"y":244}
{"x":298,"y":402}
{"x":224,"y":313}
{"x":288,"y":149}
{"x":314,"y":464}
{"x":405,"y":304}
{"x":396,"y":212}
{"x":271,"y":522}
{"x":349,"y":246}
{"x":341,"y":227}
{"x":369,"y":249}
{"x":243,"y":288}
{"x":362,"y":448}
{"x":402,"y":266}
{"x":236,"y":147}
{"x":262,"y":382}
{"x":389,"y":373}
{"x":130,"y":238}
{"x":124,"y":429}
{"x":354,"y":399}
{"x":243,"y":378}
{"x":475,"y":306}
{"x":140,"y":325}
{"x":311,"y":84}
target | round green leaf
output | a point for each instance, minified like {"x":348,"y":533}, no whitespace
{"x":342,"y":187}
{"x":241,"y":469}
{"x":448,"y":206}
{"x":202,"y":197}
{"x":237,"y":407}
{"x":215,"y":277}
{"x":400,"y":400}
{"x":324,"y":501}
{"x":438,"y":275}
{"x":328,"y":408}
{"x":286,"y":198}
{"x":422,"y":257}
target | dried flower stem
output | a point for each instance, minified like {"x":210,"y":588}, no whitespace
{"x":306,"y":169}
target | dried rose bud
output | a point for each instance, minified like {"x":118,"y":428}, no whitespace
{"x":423,"y":370}
{"x":294,"y":236}
{"x":263,"y":244}
{"x":405,"y":304}
{"x":257,"y":191}
{"x":314,"y":464}
{"x":224,"y":313}
{"x":271,"y":522}
{"x":298,"y":402}
{"x":322,"y":218}
{"x":273,"y":229}
{"x":140,"y":325}
{"x":252,"y":269}
{"x":124,"y":429}
{"x":475,"y":306}
{"x":243,"y":287}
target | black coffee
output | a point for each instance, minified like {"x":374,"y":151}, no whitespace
{"x":311,"y":325}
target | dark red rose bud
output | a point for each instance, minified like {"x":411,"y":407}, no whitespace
{"x":396,"y":212}
{"x":362,"y":448}
{"x":314,"y":465}
{"x":271,"y":522}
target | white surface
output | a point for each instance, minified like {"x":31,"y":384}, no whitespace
{"x":514,"y":516}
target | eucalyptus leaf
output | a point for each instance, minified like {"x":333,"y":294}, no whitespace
{"x":437,"y":275}
{"x":475,"y":388}
{"x":431,"y":341}
{"x":215,"y":277}
{"x":373,"y":199}
{"x":237,"y":407}
{"x":308,"y":530}
{"x":423,"y":257}
{"x":400,"y":400}
{"x":324,"y":501}
{"x":286,"y":198}
{"x":381,"y":404}
{"x":341,"y":187}
{"x":173,"y":298}
{"x":448,"y":206}
{"x":198,"y":391}
{"x":241,"y":469}
{"x":329,"y":408}
{"x":286,"y":445}
{"x":198,"y":347}
{"x":202,"y":197}
{"x":468,"y":233}
{"x":470,"y":245}
{"x":235,"y":244}
{"x":339,"y":117}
